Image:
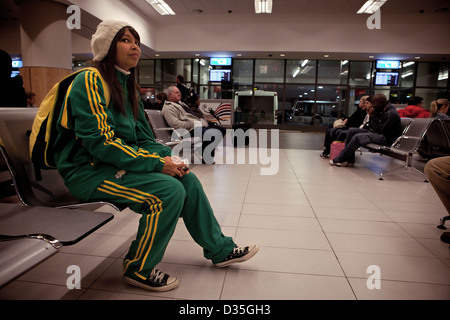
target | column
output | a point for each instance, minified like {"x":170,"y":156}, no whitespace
{"x":46,"y":45}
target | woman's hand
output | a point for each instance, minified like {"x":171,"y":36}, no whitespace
{"x":174,"y":169}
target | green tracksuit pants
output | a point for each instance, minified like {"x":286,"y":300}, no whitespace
{"x":162,"y":200}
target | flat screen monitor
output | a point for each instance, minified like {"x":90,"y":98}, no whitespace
{"x":220,"y":61}
{"x":388,"y":64}
{"x":218,"y":75}
{"x":17,"y":63}
{"x":386,"y":78}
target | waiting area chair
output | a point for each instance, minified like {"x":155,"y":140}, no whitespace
{"x":32,"y":234}
{"x":48,"y":216}
{"x":436,"y":142}
{"x":169,"y":136}
{"x":405,"y":146}
{"x":163,"y":132}
{"x":15,"y":126}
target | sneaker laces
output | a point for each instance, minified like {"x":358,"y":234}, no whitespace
{"x":157,"y":276}
{"x":239,"y":250}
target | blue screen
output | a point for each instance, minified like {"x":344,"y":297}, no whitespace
{"x":220,"y":61}
{"x":388,"y":64}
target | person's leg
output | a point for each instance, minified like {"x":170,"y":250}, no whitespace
{"x":355,"y":139}
{"x":201,"y":223}
{"x":330,"y":136}
{"x":159,"y":199}
{"x":438,"y":173}
{"x":211,"y":137}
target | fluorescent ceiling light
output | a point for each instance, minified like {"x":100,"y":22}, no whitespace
{"x":263,"y":6}
{"x":162,"y":7}
{"x":371,"y":6}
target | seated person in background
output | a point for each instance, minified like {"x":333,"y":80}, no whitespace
{"x":384,"y":127}
{"x":355,"y":120}
{"x":160,"y":99}
{"x":179,"y":116}
{"x":415,"y":109}
{"x":193,"y":102}
{"x":12,"y":92}
{"x":439,"y":109}
{"x":31,"y":100}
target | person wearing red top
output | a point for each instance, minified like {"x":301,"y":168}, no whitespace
{"x":415,"y":109}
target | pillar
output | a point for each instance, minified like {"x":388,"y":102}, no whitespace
{"x":46,"y":45}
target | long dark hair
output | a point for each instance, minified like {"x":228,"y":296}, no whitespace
{"x":108,"y":72}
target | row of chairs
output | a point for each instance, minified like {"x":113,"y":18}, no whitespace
{"x":436,"y":142}
{"x":408,"y":144}
{"x":405,"y":146}
{"x":49,"y":216}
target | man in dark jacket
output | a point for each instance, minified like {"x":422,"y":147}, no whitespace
{"x":384,"y":128}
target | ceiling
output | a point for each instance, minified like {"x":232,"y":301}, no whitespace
{"x":210,"y":11}
{"x":198,"y":9}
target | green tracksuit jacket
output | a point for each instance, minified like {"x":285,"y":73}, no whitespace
{"x":103,"y":155}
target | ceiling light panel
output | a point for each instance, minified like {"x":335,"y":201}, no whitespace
{"x":161,"y":7}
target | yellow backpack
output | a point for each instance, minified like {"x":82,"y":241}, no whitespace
{"x":44,"y":132}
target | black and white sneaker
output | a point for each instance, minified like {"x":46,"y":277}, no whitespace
{"x":157,"y":281}
{"x":239,"y":254}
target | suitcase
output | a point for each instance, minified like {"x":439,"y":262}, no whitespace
{"x":244,"y":126}
{"x":336,"y":148}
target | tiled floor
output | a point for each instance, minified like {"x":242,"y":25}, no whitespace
{"x":319,"y":229}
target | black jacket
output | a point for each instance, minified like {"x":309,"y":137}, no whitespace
{"x":387,"y":123}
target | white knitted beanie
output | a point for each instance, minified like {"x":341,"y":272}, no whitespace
{"x":103,"y":36}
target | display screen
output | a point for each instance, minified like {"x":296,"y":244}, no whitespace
{"x":388,"y":64}
{"x":218,"y":75}
{"x":220,"y":61}
{"x":386,"y":78}
{"x":17,"y":63}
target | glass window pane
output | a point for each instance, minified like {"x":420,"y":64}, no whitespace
{"x":298,"y":108}
{"x":407,"y":74}
{"x":174,"y":67}
{"x":269,"y":71}
{"x":158,"y":72}
{"x":432,"y":74}
{"x":332,"y":72}
{"x":146,"y":72}
{"x":429,"y":95}
{"x":204,"y":71}
{"x":360,"y":73}
{"x":242,"y":72}
{"x":330,"y":104}
{"x":301,"y":71}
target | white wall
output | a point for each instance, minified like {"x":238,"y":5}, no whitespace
{"x":325,"y":33}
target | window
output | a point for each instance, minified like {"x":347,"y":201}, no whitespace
{"x":360,"y":73}
{"x":333,"y":72}
{"x":269,"y":71}
{"x":301,"y":71}
{"x":330,"y":104}
{"x":173,"y":67}
{"x":298,"y":108}
{"x":242,"y":72}
{"x":432,"y":74}
{"x":146,"y":72}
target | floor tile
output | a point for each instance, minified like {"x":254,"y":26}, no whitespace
{"x":257,"y":285}
{"x":395,"y":267}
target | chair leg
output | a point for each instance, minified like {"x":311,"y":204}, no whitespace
{"x":442,"y":223}
{"x":407,"y":167}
